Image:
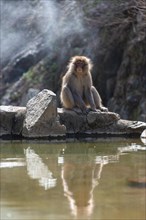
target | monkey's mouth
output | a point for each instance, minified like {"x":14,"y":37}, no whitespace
{"x":79,"y":70}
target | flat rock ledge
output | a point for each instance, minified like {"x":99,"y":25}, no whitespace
{"x":99,"y":124}
{"x":41,"y":119}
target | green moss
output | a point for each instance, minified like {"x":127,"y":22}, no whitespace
{"x":33,"y":77}
{"x":54,"y":67}
{"x":15,"y":96}
{"x":29,"y":75}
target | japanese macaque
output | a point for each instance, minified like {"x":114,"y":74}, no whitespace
{"x":77,"y":87}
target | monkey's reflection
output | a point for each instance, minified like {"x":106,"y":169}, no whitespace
{"x":80,"y":175}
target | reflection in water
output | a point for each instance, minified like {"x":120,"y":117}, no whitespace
{"x":38,"y":170}
{"x":80,"y":176}
{"x":138,"y":179}
{"x":107,"y":159}
{"x":131,"y":148}
{"x":78,"y":183}
{"x":12,"y":162}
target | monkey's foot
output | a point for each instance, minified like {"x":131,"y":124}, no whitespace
{"x":95,"y":110}
{"x":104,"y":109}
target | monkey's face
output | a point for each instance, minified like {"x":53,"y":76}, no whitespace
{"x":80,"y":66}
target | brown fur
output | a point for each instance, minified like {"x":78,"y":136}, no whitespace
{"x":77,"y":87}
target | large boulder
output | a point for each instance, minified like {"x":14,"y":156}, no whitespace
{"x":11,"y":120}
{"x":41,"y":116}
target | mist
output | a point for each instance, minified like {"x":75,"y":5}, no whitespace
{"x":24,"y":21}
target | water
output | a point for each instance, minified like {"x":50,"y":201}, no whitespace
{"x":68,"y":181}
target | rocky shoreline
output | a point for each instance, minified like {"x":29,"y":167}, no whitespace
{"x":41,"y":119}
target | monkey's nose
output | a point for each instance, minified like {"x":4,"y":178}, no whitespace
{"x":79,"y":69}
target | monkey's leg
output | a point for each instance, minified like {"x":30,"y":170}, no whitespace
{"x":89,"y":99}
{"x":97,"y":99}
{"x":67,"y":98}
{"x":79,"y":102}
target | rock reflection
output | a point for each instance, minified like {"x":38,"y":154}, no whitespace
{"x":137,"y":179}
{"x":12,"y":162}
{"x":38,"y":170}
{"x":131,"y":148}
{"x":80,"y":175}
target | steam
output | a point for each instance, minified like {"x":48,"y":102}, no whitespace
{"x":23,"y":21}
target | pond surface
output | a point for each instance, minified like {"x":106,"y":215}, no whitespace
{"x":103,"y":180}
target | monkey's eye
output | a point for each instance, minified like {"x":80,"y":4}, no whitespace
{"x":84,"y":65}
{"x":80,"y":64}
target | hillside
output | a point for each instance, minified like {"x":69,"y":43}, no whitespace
{"x":39,"y":37}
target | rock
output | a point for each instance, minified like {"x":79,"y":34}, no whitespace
{"x":11,"y":120}
{"x":101,"y":119}
{"x":105,"y":123}
{"x":74,"y":122}
{"x":143,"y":137}
{"x":41,"y":116}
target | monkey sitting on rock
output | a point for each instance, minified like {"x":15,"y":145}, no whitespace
{"x":77,"y":90}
